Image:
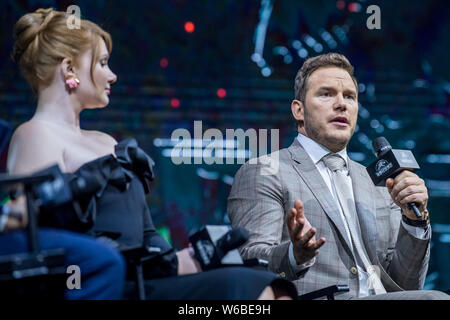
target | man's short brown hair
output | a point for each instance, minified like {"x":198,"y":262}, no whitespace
{"x":331,"y":59}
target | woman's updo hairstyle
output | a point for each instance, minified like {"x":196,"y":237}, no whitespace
{"x":43,"y":40}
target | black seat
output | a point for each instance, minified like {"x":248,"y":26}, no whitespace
{"x":37,"y":273}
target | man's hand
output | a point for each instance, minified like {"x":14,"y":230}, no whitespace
{"x":187,"y":264}
{"x":302,"y":235}
{"x":408,"y":187}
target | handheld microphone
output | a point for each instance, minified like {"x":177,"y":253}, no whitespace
{"x":216,"y":246}
{"x":390,"y":163}
{"x":232,"y":239}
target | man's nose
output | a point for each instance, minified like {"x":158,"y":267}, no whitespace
{"x":340,"y":102}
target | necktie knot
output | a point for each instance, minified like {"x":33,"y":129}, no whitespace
{"x":334,"y":162}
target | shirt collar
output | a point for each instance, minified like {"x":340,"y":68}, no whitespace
{"x":316,"y":151}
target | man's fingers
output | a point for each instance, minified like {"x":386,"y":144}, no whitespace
{"x":417,"y":197}
{"x":389,"y":184}
{"x":295,"y":225}
{"x":307,"y":236}
{"x":405,"y":183}
{"x":404,"y":174}
{"x":298,"y":205}
{"x":290,"y":219}
{"x":316,"y":245}
{"x":403,"y":180}
{"x":299,"y":224}
{"x":307,"y":248}
{"x":411,"y":190}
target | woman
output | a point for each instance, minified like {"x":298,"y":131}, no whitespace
{"x":68,"y":69}
{"x":103,"y":269}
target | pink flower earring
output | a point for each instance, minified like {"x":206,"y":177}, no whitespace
{"x":72,"y":82}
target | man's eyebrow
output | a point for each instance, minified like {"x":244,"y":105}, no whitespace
{"x":325,"y":88}
{"x":351,"y":91}
{"x":333,"y":89}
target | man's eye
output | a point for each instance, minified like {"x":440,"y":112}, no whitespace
{"x":325,"y":94}
{"x":350,"y":97}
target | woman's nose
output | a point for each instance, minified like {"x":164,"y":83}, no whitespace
{"x":113,"y":78}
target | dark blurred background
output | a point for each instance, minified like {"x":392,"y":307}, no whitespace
{"x":232,"y":64}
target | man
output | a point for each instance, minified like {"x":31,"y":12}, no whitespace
{"x":364,"y":241}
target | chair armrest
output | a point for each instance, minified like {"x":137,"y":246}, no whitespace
{"x":138,"y":254}
{"x":256,"y":262}
{"x":329,"y":292}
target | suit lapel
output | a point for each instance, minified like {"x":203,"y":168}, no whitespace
{"x":364,"y":193}
{"x":311,"y":176}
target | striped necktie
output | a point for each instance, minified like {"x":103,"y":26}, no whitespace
{"x":336,"y":164}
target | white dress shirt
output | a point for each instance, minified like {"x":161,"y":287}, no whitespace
{"x":316,"y":152}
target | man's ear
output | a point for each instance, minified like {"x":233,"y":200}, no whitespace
{"x":67,"y":68}
{"x":298,"y":110}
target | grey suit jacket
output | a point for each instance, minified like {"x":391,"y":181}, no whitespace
{"x":260,"y":201}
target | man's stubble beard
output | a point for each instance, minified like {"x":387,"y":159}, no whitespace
{"x":331,"y":142}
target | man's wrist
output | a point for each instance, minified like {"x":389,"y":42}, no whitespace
{"x":423,"y":212}
{"x":423,"y":223}
{"x":298,"y":267}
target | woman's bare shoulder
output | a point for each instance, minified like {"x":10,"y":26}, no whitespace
{"x":31,"y":126}
{"x":101,"y":137}
{"x":32,"y":132}
{"x":33,"y":147}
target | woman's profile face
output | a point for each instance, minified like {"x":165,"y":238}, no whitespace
{"x":95,"y":96}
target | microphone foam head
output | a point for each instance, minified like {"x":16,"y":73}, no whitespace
{"x":380,"y":146}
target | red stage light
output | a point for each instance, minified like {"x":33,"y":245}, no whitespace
{"x":189,"y":27}
{"x":221,"y":93}
{"x":174,"y":103}
{"x":340,"y":4}
{"x":354,"y":7}
{"x":163,"y":62}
